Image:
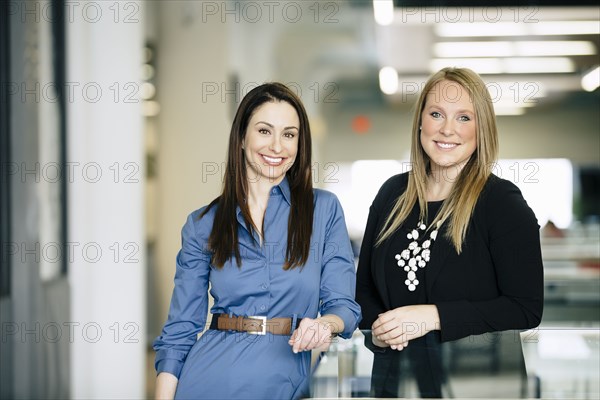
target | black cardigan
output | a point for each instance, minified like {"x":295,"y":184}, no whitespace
{"x":495,"y":284}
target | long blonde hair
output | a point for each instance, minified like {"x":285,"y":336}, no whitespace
{"x":459,"y":205}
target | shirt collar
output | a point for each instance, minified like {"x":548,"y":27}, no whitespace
{"x":283,"y":188}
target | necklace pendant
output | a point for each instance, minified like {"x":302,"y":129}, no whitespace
{"x":416,"y":256}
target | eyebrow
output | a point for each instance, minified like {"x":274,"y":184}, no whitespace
{"x":272,"y":126}
{"x":458,"y":111}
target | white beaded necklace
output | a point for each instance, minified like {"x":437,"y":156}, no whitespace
{"x":416,"y":255}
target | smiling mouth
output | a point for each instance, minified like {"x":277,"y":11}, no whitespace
{"x":274,"y":161}
{"x":444,"y":145}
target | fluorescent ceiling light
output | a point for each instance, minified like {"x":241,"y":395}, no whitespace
{"x":473,"y":49}
{"x":591,"y":80}
{"x":474,"y":29}
{"x":383,"y":11}
{"x":538,"y":65}
{"x":388,"y":80}
{"x":499,"y":29}
{"x":555,"y":48}
{"x":510,"y":65}
{"x":512,"y":49}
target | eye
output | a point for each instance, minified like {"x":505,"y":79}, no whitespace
{"x":264,"y":131}
{"x":464,"y":118}
{"x":289,"y":135}
{"x":435,"y":114}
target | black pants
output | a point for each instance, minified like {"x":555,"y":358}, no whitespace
{"x":421,"y":360}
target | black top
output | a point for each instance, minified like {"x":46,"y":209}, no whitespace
{"x":495,"y":284}
{"x":397,"y":290}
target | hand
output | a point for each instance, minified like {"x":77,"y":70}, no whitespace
{"x":378,"y":342}
{"x":311,"y":334}
{"x":400,"y":325}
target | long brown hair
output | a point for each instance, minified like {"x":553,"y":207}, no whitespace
{"x":223,"y":241}
{"x":460,"y":204}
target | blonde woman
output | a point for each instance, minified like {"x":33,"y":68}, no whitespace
{"x":450,"y":250}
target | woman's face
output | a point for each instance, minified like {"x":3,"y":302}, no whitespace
{"x":448,"y":128}
{"x":271,"y":141}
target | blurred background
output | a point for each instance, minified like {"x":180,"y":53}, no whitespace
{"x":114,"y":119}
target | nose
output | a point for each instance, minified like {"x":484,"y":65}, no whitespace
{"x":275,"y":145}
{"x":447,"y":127}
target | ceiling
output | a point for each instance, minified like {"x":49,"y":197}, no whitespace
{"x":527,"y":55}
{"x":349,"y":53}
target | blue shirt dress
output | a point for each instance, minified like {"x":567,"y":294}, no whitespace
{"x":237,"y":365}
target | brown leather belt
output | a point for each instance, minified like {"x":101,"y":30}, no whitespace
{"x":255,"y":325}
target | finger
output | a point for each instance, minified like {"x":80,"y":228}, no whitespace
{"x":397,"y":340}
{"x":293,"y":337}
{"x":389,"y":326}
{"x":383,"y":318}
{"x":383,"y":328}
{"x":298,"y":344}
{"x":298,"y":338}
{"x":325,"y":336}
{"x":306,"y":335}
{"x":386,"y":316}
{"x":322,"y":336}
{"x":397,"y":346}
{"x":390,"y":334}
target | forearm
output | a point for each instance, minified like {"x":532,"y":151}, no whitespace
{"x":431,"y":318}
{"x":166,"y":385}
{"x":335,"y":323}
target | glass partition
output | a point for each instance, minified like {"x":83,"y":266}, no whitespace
{"x":542,"y":363}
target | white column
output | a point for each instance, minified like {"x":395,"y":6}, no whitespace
{"x":105,"y":200}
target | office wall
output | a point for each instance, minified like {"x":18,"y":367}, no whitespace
{"x":192,"y":129}
{"x":563,"y":131}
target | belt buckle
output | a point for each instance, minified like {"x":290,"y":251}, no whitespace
{"x":264,"y":324}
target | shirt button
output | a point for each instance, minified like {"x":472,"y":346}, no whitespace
{"x":274,"y":191}
{"x":263,"y":307}
{"x":264,"y":286}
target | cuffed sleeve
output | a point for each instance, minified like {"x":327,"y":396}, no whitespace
{"x":189,"y":302}
{"x":338,"y":276}
{"x":170,"y":365}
